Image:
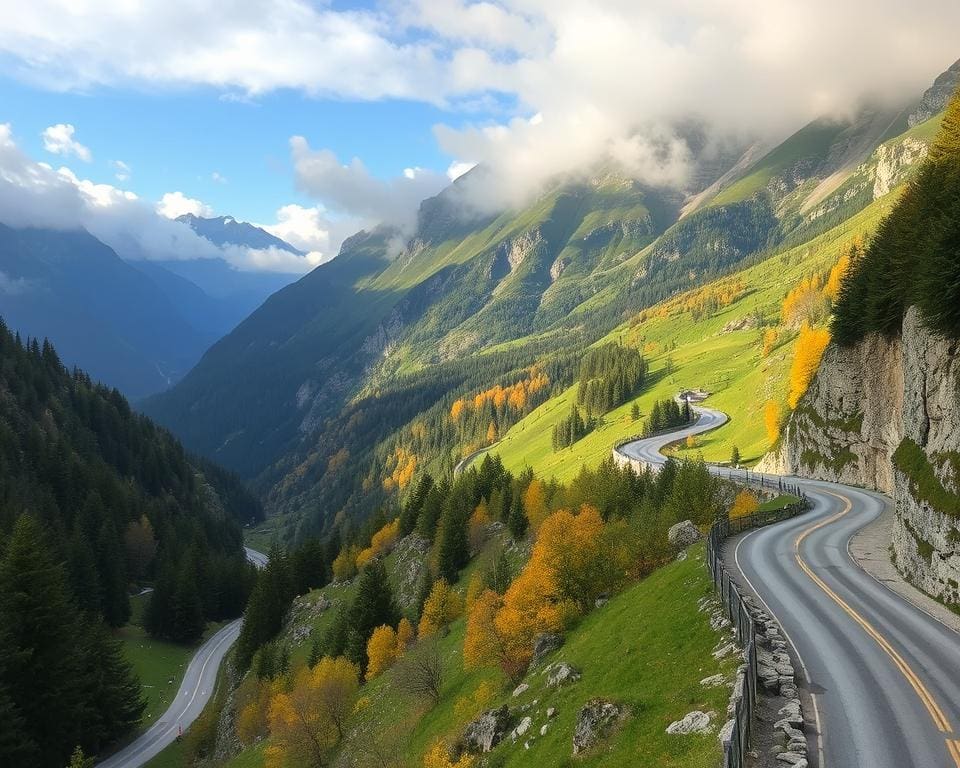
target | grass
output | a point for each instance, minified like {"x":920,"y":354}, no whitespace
{"x":159,"y":664}
{"x":779,"y":502}
{"x":685,"y":352}
{"x":646,"y":649}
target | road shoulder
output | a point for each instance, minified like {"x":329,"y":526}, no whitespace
{"x":869,"y":547}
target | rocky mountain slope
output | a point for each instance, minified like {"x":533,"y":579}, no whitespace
{"x":883,"y":410}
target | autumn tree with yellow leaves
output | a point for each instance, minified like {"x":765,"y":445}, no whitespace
{"x":442,"y":607}
{"x":771,"y":420}
{"x":744,"y":504}
{"x":811,"y":344}
{"x":307,"y":722}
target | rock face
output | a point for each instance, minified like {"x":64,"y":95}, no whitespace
{"x":545,"y":643}
{"x":870,"y":400}
{"x":683,"y":534}
{"x":936,"y":96}
{"x":694,"y":722}
{"x":561,"y":674}
{"x":593,"y":721}
{"x":488,"y":730}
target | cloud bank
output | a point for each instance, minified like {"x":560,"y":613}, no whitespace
{"x":34,"y":194}
{"x":533,"y":88}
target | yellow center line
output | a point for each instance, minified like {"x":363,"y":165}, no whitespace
{"x":954,"y":748}
{"x":933,"y":708}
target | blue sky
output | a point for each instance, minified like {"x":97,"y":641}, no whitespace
{"x":387,"y":95}
{"x":176,"y":139}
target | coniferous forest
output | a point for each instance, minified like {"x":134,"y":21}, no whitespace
{"x":95,"y":502}
{"x":913,"y":259}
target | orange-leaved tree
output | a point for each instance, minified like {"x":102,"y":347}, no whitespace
{"x":744,"y":504}
{"x":438,"y":756}
{"x":381,"y":543}
{"x":310,"y":720}
{"x":771,"y":420}
{"x":382,"y":650}
{"x":535,"y":503}
{"x":443,"y":606}
{"x":806,"y":359}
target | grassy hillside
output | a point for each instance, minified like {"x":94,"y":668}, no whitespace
{"x":687,"y":352}
{"x":647,"y":648}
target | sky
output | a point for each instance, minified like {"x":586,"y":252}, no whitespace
{"x":315,"y":119}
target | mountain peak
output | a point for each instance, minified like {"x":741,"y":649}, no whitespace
{"x":226,"y":230}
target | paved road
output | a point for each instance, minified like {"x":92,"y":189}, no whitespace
{"x":195,"y":691}
{"x":883,"y":676}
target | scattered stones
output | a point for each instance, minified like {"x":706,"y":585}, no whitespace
{"x":545,"y":643}
{"x":544,"y":728}
{"x":682,"y":555}
{"x":521,"y":728}
{"x":561,"y":673}
{"x":714,"y":681}
{"x":593,"y":721}
{"x":683,"y":534}
{"x":724,"y":650}
{"x":551,"y":712}
{"x":520,"y":690}
{"x":601,"y":601}
{"x":488,"y":730}
{"x":693,"y":722}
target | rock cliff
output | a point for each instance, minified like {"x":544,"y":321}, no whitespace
{"x":885,"y":414}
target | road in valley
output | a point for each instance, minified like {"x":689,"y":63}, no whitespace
{"x":195,"y":691}
{"x":882,"y":676}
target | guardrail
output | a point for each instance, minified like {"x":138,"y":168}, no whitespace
{"x":741,"y":620}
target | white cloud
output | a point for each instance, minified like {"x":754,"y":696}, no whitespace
{"x":605,"y":82}
{"x":351,"y":189}
{"x":456,"y":169}
{"x":58,"y":140}
{"x":218,"y":177}
{"x":121,"y":171}
{"x":176,"y":204}
{"x":312,"y":231}
{"x":34,"y":194}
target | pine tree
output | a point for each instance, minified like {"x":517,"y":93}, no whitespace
{"x":372,"y":607}
{"x":518,"y":523}
{"x":453,"y":546}
{"x":114,"y":598}
{"x":43,"y":669}
{"x":735,"y":457}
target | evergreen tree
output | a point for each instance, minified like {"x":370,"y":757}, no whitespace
{"x":518,"y":523}
{"x":453,"y":546}
{"x":411,"y":510}
{"x":735,"y":457}
{"x":114,"y":597}
{"x":372,"y":607}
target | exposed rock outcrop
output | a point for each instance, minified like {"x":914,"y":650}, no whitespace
{"x":488,"y":730}
{"x":885,"y":414}
{"x":683,"y":534}
{"x":936,"y":96}
{"x":593,"y":721}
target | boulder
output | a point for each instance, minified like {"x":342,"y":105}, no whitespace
{"x":561,"y":673}
{"x":683,"y":534}
{"x":593,"y":721}
{"x":488,"y":730}
{"x":544,"y":643}
{"x":521,"y":728}
{"x":694,"y":722}
{"x":520,"y":690}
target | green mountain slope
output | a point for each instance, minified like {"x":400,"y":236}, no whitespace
{"x":338,"y":390}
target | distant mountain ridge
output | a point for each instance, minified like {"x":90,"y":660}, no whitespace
{"x":226,"y":230}
{"x":136,"y":325}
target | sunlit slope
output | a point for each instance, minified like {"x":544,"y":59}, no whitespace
{"x":686,"y":352}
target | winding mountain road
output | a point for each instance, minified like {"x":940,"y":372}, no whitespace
{"x":195,"y":691}
{"x":880,"y":676}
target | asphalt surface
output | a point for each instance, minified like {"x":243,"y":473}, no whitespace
{"x":195,"y":691}
{"x":882,"y":676}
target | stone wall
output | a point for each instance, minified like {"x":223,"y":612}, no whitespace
{"x":865,"y":402}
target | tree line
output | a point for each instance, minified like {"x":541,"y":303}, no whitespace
{"x":95,"y":502}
